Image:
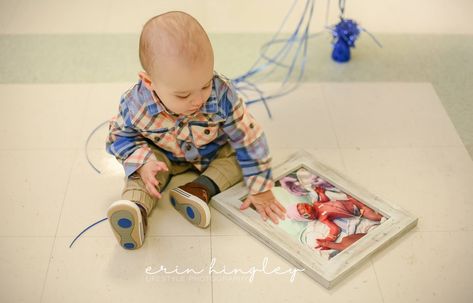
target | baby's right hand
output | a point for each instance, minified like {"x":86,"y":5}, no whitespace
{"x":148,"y":173}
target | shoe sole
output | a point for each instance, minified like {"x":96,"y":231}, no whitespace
{"x":127,"y":225}
{"x":190,"y":207}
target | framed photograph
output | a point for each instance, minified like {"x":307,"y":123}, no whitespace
{"x":332,"y":224}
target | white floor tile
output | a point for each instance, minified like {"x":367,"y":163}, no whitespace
{"x":23,"y":266}
{"x":245,"y":252}
{"x":98,"y":270}
{"x":102,"y":104}
{"x":389,"y":115}
{"x":299,"y":120}
{"x":434,"y":184}
{"x":431,"y":123}
{"x":89,"y":194}
{"x":33,"y":186}
{"x":427,"y":267}
{"x":221,"y":225}
{"x":42,"y":116}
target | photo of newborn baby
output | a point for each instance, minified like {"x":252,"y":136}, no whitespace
{"x":321,"y":216}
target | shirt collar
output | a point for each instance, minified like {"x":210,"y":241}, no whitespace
{"x":155,"y":107}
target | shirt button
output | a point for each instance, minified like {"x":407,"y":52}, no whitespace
{"x":251,"y":125}
{"x":207,"y":131}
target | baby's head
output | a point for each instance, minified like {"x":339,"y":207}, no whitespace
{"x":301,"y":212}
{"x":178,"y":61}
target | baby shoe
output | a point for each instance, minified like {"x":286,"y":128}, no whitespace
{"x":191,"y":200}
{"x":129,"y":222}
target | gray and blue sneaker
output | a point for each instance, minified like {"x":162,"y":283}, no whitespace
{"x":128,"y":221}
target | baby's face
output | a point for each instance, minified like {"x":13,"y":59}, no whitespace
{"x":306,"y":211}
{"x":183,"y":87}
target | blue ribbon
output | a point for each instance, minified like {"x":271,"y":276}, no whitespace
{"x":266,"y":65}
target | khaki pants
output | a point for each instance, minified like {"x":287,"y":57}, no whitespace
{"x":224,"y":170}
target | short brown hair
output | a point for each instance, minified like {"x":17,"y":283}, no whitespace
{"x":173,"y":33}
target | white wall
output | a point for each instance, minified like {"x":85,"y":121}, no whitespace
{"x":127,"y":16}
{"x":390,"y":16}
{"x":414,"y":16}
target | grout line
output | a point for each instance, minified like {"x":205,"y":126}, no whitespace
{"x":332,"y":124}
{"x":57,"y":226}
{"x":458,"y":230}
{"x":211,"y":273}
{"x":41,"y":149}
{"x":377,"y":280}
{"x":92,"y":148}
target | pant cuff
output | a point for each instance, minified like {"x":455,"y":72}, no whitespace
{"x":219,"y":179}
{"x":140,"y":197}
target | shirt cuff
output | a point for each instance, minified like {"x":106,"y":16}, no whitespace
{"x":139,"y":157}
{"x":260,"y":183}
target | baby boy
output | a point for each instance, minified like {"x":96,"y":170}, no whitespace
{"x":182,"y":116}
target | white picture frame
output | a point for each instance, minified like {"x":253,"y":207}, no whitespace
{"x":325,"y":268}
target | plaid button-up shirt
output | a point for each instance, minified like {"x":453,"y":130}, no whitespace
{"x":143,"y":121}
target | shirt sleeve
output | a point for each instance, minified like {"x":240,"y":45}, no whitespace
{"x":249,"y":141}
{"x":124,"y":142}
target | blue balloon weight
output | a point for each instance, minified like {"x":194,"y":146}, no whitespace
{"x":341,"y":51}
{"x":344,"y":34}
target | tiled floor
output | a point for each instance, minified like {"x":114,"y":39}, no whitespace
{"x":377,"y":137}
{"x":396,"y":120}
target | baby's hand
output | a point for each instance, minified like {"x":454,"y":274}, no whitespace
{"x":148,"y":173}
{"x":267,"y":206}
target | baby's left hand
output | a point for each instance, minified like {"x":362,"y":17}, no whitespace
{"x":267,"y":206}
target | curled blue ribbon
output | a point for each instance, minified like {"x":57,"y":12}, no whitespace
{"x":290,"y":56}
